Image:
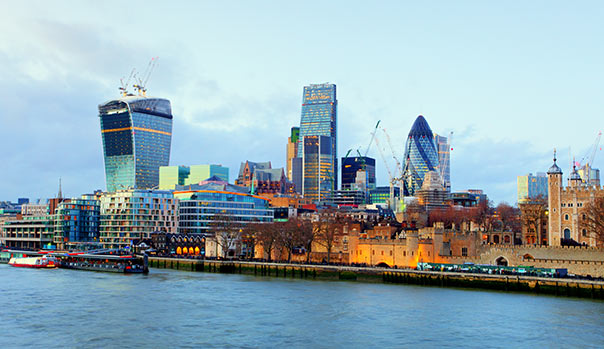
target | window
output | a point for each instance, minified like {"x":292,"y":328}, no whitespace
{"x":565,"y":217}
{"x":584,"y":232}
{"x":464,"y":251}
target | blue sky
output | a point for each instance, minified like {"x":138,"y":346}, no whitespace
{"x":512,"y":80}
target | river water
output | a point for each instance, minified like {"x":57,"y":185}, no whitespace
{"x":168,"y":308}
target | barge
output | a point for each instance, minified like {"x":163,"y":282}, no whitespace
{"x":105,"y":262}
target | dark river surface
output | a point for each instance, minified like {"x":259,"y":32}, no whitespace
{"x":167,"y":308}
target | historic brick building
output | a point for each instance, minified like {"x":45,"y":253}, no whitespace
{"x":566,"y":208}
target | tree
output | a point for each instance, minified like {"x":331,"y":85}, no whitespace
{"x":305,"y":232}
{"x":509,"y":217}
{"x":594,"y":218}
{"x":532,"y":214}
{"x":327,"y":229}
{"x":267,"y":237}
{"x":227,"y":233}
{"x":286,"y":237}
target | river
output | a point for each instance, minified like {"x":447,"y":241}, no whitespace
{"x":168,"y":308}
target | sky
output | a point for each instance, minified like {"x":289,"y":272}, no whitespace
{"x":512,"y":80}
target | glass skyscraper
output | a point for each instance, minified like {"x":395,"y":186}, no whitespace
{"x":420,"y":156}
{"x":136,"y":132}
{"x":319,"y":118}
{"x":350,"y":167}
{"x":317,"y":168}
{"x":444,"y":159}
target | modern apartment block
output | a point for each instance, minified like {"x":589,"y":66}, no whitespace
{"x":134,"y":214}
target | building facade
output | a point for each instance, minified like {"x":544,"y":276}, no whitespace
{"x":77,"y":220}
{"x":134,"y":214}
{"x":566,"y":216}
{"x":444,"y":160}
{"x":28,"y":232}
{"x":136,"y":133}
{"x":318,"y":178}
{"x":319,"y":119}
{"x":532,"y":187}
{"x":420,"y":156}
{"x":350,"y":173}
{"x":172,"y":176}
{"x":204,"y":207}
{"x":292,"y":151}
{"x":246,"y":172}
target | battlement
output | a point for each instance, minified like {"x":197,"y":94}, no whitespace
{"x":583,"y":189}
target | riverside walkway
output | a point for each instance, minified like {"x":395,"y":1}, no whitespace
{"x":571,"y":287}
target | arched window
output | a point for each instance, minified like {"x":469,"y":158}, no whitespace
{"x":565,"y":217}
{"x":584,"y":232}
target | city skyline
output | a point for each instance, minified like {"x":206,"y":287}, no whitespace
{"x":499,"y":84}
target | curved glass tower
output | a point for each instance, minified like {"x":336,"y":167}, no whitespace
{"x":136,"y":132}
{"x":420,"y":156}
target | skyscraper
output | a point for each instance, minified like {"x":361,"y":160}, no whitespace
{"x":319,"y":118}
{"x":350,"y":172}
{"x":531,"y":187}
{"x":292,"y":151}
{"x":444,"y":160}
{"x":136,"y":132}
{"x":317,"y":167}
{"x":420,"y":156}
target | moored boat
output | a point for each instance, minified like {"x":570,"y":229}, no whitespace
{"x":107,"y":263}
{"x":34,"y":262}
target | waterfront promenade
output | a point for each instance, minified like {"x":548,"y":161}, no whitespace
{"x":514,"y":283}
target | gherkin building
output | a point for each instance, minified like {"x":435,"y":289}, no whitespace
{"x":420,"y":156}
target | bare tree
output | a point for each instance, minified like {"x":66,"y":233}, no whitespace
{"x":594,"y":219}
{"x":532,"y":214}
{"x":305,"y":233}
{"x":509,"y":217}
{"x":267,"y":237}
{"x":327,"y":229}
{"x":227,"y":232}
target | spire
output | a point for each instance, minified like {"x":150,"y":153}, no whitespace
{"x":554,"y":169}
{"x":60,"y":195}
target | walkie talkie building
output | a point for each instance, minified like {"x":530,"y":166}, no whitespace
{"x":136,"y":132}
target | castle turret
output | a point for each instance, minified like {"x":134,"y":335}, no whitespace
{"x":554,"y":189}
{"x":574,"y":180}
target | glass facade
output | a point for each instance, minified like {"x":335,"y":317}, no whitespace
{"x":420,"y":156}
{"x":444,"y":160}
{"x":317,"y":174}
{"x":350,"y":167}
{"x":171,"y":176}
{"x":532,"y":187}
{"x":77,"y":220}
{"x":199,"y":209}
{"x":136,"y":133}
{"x":381,"y":195}
{"x":319,"y":118}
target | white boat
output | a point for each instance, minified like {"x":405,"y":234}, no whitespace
{"x":34,"y":262}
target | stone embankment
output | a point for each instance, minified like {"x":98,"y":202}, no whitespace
{"x":560,"y":287}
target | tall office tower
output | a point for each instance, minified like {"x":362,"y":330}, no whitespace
{"x":420,"y":156}
{"x":352,"y":173}
{"x":319,"y":118}
{"x":317,"y":168}
{"x":444,"y":160}
{"x":292,"y":152}
{"x":136,"y":132}
{"x":532,"y":187}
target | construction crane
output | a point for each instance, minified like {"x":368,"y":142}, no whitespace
{"x":586,"y":162}
{"x":393,"y":179}
{"x":141,"y":87}
{"x":124,"y":85}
